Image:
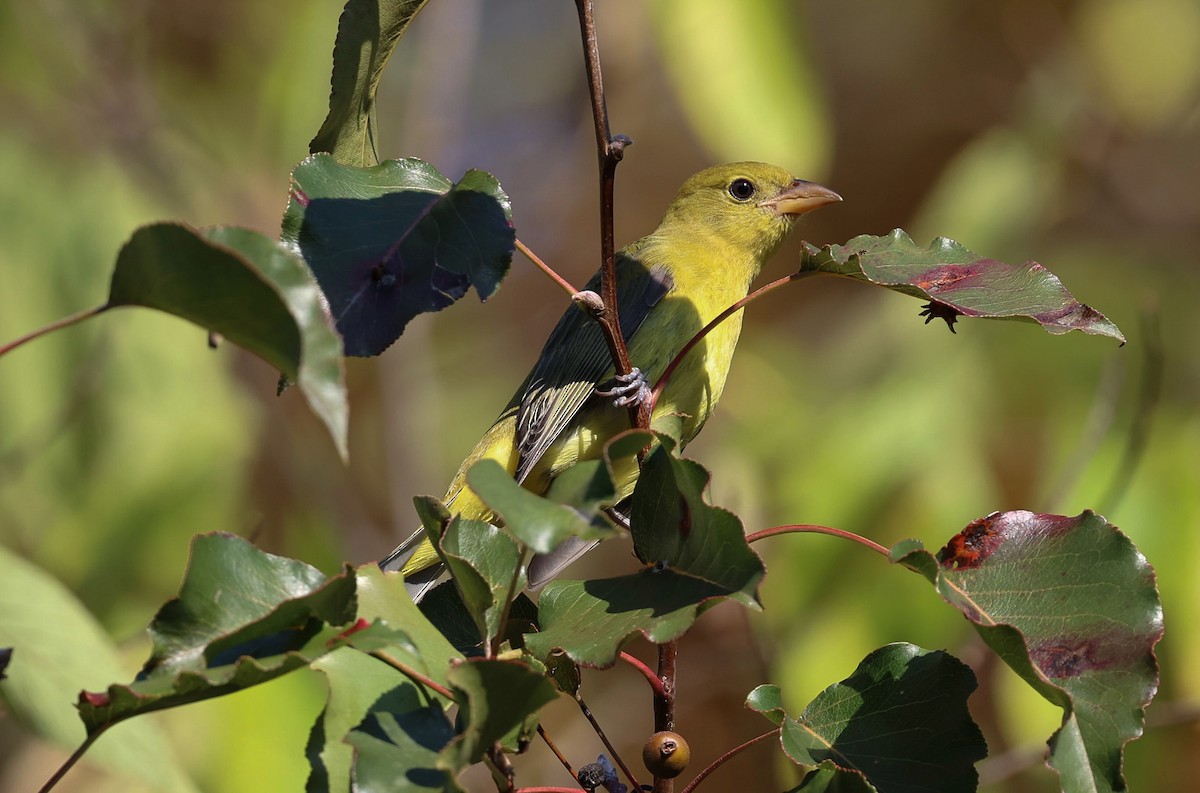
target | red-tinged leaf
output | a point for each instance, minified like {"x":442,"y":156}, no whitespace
{"x":1071,"y":605}
{"x":959,"y":282}
{"x":391,"y":241}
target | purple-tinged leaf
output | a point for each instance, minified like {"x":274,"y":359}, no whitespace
{"x":959,"y":282}
{"x":394,"y":240}
{"x":1071,"y":605}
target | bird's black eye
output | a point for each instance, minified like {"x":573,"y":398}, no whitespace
{"x":741,"y":189}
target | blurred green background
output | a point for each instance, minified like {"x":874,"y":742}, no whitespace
{"x":1062,"y":130}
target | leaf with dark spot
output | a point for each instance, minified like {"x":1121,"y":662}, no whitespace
{"x":958,"y":282}
{"x":1071,"y":605}
{"x":394,"y":240}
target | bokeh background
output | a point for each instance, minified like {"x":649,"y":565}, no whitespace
{"x":1062,"y":130}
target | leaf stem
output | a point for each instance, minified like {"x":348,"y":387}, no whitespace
{"x":809,"y":528}
{"x":587,"y":714}
{"x":565,"y":762}
{"x":655,"y":683}
{"x":72,"y":760}
{"x":408,"y":671}
{"x":53,"y":326}
{"x":562,"y":283}
{"x":715,"y":764}
{"x":724,"y":315}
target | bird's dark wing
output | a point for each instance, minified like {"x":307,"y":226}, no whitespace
{"x":576,"y":357}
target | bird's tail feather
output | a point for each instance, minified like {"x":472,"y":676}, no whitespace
{"x":546,"y":566}
{"x":420,"y":582}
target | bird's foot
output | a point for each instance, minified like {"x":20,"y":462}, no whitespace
{"x":628,"y":390}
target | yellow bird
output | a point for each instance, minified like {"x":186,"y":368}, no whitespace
{"x":720,"y":229}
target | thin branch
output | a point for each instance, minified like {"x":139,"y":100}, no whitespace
{"x":565,"y":762}
{"x":53,"y":326}
{"x":72,"y":760}
{"x":587,"y":714}
{"x":715,"y":764}
{"x":808,"y":528}
{"x":610,"y":150}
{"x":408,"y":671}
{"x":664,"y":702}
{"x":724,"y":315}
{"x":562,"y":283}
{"x":655,"y":682}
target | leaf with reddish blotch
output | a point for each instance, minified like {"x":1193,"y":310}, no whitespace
{"x":1071,"y":605}
{"x":959,"y":282}
{"x":394,"y":240}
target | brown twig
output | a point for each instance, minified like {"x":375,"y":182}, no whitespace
{"x":808,"y":528}
{"x":587,"y":714}
{"x":610,"y":151}
{"x":724,"y":315}
{"x":408,"y":671}
{"x":562,"y":283}
{"x":53,"y":326}
{"x":664,"y":702}
{"x":72,"y":760}
{"x":715,"y":764}
{"x":562,"y":759}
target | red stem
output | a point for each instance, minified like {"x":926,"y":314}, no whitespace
{"x":414,"y":674}
{"x":808,"y":528}
{"x":72,"y":760}
{"x":724,"y":315}
{"x":563,"y":283}
{"x":655,"y":682}
{"x":53,"y":326}
{"x":727,"y":756}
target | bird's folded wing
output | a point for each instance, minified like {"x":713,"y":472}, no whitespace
{"x":576,"y":359}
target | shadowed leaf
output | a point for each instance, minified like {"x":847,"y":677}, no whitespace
{"x":394,"y":240}
{"x":900,"y":723}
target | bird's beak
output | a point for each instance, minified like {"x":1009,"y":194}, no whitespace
{"x":801,"y":197}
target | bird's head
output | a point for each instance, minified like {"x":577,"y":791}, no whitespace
{"x":750,"y":205}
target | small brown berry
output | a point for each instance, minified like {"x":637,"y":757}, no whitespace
{"x":666,"y":754}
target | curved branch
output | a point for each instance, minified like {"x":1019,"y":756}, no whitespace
{"x":809,"y":528}
{"x":715,"y":764}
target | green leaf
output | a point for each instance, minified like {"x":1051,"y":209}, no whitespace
{"x":443,"y":606}
{"x":900,"y":722}
{"x":501,"y":697}
{"x":242,"y":617}
{"x":695,"y":552}
{"x":394,"y":240}
{"x":484,"y":561}
{"x":1071,"y":605}
{"x":828,"y":778}
{"x":55,"y":649}
{"x":397,"y":746}
{"x":252,"y":291}
{"x":360,"y":684}
{"x":959,"y":282}
{"x":675,"y":529}
{"x":368,"y":31}
{"x":571,"y":507}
